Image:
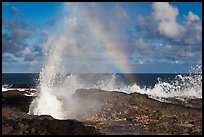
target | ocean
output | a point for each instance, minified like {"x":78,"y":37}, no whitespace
{"x":153,"y":84}
{"x":20,"y":78}
{"x":142,"y":79}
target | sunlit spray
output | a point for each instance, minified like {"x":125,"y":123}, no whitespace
{"x":56,"y":88}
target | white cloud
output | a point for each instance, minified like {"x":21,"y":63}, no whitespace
{"x":163,"y":19}
{"x":192,"y":17}
{"x":142,"y":46}
{"x":164,"y":11}
{"x":193,"y":29}
{"x":176,"y":61}
{"x":162,"y":25}
{"x":165,"y":16}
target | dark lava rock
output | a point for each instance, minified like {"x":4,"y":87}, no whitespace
{"x":16,"y":121}
{"x":16,"y":99}
{"x":45,"y":126}
{"x":149,"y":114}
{"x":105,"y":111}
{"x":187,"y":102}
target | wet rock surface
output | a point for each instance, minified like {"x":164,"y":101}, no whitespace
{"x":139,"y":114}
{"x":116,"y":113}
{"x":45,"y":126}
{"x":16,"y":121}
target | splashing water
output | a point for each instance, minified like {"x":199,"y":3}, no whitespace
{"x":57,"y":101}
{"x":183,"y":86}
{"x":56,"y":88}
{"x":46,"y":102}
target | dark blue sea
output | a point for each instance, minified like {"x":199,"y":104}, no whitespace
{"x":142,"y":79}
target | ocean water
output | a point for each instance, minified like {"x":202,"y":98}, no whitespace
{"x":153,"y":84}
{"x":20,"y":78}
{"x":141,"y":79}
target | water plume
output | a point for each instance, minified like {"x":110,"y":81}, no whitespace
{"x":74,"y":40}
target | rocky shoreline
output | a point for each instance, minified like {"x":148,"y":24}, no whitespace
{"x":16,"y":121}
{"x":118,"y":113}
{"x":139,"y":112}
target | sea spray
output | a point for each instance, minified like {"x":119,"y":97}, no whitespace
{"x":54,"y":94}
{"x":184,"y":86}
{"x":65,"y":106}
{"x":46,"y":101}
{"x":56,"y":89}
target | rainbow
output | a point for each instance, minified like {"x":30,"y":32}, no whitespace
{"x":114,"y":51}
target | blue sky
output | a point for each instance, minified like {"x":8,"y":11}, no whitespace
{"x":154,"y":37}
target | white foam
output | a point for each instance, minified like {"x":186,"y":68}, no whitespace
{"x":60,"y":95}
{"x":29,"y":91}
{"x":30,"y":94}
{"x":4,"y":89}
{"x":182,"y":86}
{"x":17,"y":89}
{"x":47,"y":104}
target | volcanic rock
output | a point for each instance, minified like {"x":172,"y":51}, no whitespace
{"x":16,"y":121}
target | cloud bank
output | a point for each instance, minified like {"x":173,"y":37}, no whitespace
{"x":97,"y":32}
{"x":177,"y":42}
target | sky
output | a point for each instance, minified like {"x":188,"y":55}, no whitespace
{"x":111,"y":37}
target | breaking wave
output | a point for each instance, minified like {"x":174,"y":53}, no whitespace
{"x":56,"y":99}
